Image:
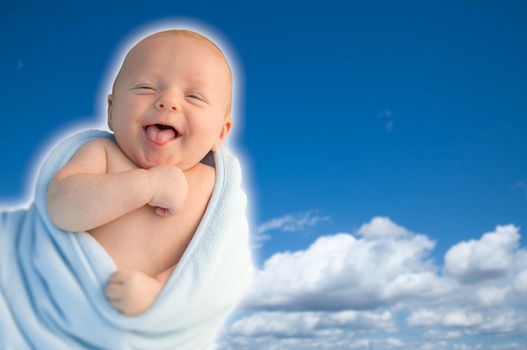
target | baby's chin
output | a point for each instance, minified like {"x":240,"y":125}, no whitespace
{"x":183,"y":164}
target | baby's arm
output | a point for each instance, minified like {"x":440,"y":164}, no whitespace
{"x":82,"y":195}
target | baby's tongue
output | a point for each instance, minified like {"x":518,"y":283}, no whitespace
{"x":159,"y":136}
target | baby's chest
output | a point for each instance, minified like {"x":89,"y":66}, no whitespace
{"x":143,"y":241}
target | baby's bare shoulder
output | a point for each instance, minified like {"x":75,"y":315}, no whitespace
{"x":96,"y":147}
{"x":90,"y":158}
{"x":201,"y":179}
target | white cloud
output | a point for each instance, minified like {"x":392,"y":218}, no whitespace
{"x":502,"y":320}
{"x":380,"y":227}
{"x":341,"y":271}
{"x":292,"y":222}
{"x":520,"y":282}
{"x":451,"y":318}
{"x":490,"y":257}
{"x":394,"y":342}
{"x":492,"y":296}
{"x":353,"y":290}
{"x":453,"y":335}
{"x":441,"y":335}
{"x":296,"y":324}
{"x":287,"y":223}
{"x":342,"y":341}
{"x":506,"y":321}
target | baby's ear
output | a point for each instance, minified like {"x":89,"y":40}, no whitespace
{"x":110,"y":102}
{"x":226,"y":128}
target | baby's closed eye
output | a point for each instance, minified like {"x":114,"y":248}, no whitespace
{"x":196,"y":97}
{"x":144,"y":88}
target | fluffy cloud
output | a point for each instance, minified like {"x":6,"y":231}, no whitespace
{"x":353,"y":290}
{"x":382,"y":227}
{"x":384,"y":264}
{"x":344,"y":342}
{"x":453,"y":318}
{"x":295,"y":324}
{"x":492,"y":256}
{"x":502,"y":322}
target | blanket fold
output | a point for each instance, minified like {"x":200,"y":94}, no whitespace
{"x":52,"y":282}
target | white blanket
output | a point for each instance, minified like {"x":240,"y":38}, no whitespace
{"x":52,"y":282}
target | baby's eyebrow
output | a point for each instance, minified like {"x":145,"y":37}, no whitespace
{"x":141,"y":80}
{"x":203,"y":90}
{"x":201,"y":86}
{"x":199,"y":83}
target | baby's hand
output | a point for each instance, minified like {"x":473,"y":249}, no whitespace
{"x":170,"y":189}
{"x":131,"y":292}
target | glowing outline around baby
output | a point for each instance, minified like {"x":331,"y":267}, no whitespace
{"x":101,"y":108}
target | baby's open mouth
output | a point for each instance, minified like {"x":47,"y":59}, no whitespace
{"x":161,"y":133}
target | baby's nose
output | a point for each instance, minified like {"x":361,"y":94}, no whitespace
{"x":163,"y":104}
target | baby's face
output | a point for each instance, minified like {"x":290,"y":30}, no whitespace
{"x":170,"y":103}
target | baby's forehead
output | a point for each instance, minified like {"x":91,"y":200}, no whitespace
{"x":154,"y":50}
{"x":170,"y":44}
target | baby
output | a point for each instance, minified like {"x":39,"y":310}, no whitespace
{"x":143,"y":197}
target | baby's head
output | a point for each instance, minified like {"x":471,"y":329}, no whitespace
{"x":171,"y":100}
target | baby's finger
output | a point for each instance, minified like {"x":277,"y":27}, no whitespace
{"x":163,"y":211}
{"x":118,"y":276}
{"x":117,"y":305}
{"x":115,"y":281}
{"x":113,"y":292}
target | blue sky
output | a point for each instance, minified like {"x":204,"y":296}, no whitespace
{"x":394,"y":124}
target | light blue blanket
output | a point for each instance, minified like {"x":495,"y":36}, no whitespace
{"x":52,"y":282}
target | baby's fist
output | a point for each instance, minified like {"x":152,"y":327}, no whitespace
{"x":170,"y":189}
{"x":131,"y":292}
